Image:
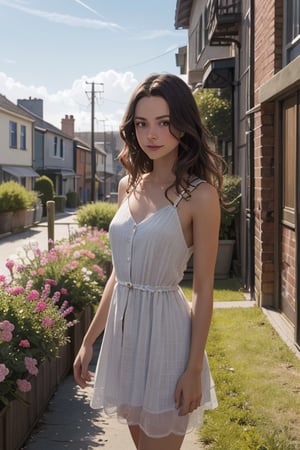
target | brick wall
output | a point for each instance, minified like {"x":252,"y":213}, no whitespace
{"x":267,"y":61}
{"x":288,"y":276}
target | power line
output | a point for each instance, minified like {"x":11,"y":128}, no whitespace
{"x":148,"y":60}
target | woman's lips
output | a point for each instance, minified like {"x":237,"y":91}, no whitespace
{"x":154,"y":147}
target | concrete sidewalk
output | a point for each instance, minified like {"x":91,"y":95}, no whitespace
{"x":70,"y":423}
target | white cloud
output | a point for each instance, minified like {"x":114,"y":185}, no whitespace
{"x":88,"y":8}
{"x":63,"y":18}
{"x":75,"y":101}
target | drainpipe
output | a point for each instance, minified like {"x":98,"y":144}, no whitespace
{"x":251,"y":158}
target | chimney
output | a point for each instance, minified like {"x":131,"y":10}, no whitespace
{"x":34,"y":105}
{"x":67,"y":125}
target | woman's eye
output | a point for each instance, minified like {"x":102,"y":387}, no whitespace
{"x":165,"y":123}
{"x":139,"y":124}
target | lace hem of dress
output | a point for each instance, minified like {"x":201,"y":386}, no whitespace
{"x":158,"y":425}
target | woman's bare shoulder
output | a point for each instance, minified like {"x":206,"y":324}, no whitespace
{"x":122,"y":189}
{"x":204,"y":196}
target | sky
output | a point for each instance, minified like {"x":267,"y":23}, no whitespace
{"x":55,"y":49}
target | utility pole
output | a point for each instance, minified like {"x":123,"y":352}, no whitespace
{"x":93,"y":150}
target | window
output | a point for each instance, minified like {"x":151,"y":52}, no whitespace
{"x":61,"y":148}
{"x":202,"y":33}
{"x":289,"y":148}
{"x":13,"y":134}
{"x":23,"y":137}
{"x":55,"y":146}
{"x":292,"y":30}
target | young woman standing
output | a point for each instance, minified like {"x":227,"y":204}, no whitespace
{"x":152,"y":369}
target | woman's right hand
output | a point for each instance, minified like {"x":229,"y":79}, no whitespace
{"x":80,"y":367}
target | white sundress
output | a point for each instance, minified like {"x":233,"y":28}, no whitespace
{"x":146,"y":342}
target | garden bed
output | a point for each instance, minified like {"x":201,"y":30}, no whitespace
{"x":17,"y":420}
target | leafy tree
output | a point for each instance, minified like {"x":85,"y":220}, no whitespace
{"x":215,"y":110}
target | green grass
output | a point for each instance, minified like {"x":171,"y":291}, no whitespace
{"x":224,"y":290}
{"x":257,"y":381}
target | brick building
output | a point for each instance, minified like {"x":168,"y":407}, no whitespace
{"x":263,"y":39}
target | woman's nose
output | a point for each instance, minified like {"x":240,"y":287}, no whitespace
{"x":152,"y":133}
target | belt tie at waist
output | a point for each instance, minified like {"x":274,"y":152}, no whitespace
{"x":146,"y":287}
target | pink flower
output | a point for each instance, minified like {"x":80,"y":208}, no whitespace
{"x":2,"y":280}
{"x":7,"y":326}
{"x":67,"y":311}
{"x":41,"y":271}
{"x":6,"y":335}
{"x":10,"y":264}
{"x":33,"y":295}
{"x":6,"y":329}
{"x":3,"y":372}
{"x":51,"y":282}
{"x":48,"y":322}
{"x":41,"y":306}
{"x":64,"y":291}
{"x":28,"y":285}
{"x":32,"y":272}
{"x":56,"y":297}
{"x":30,"y":364}
{"x":16,"y":290}
{"x":46,"y":291}
{"x":24,"y":343}
{"x":23,"y":385}
{"x":99,"y":270}
{"x":20,"y":267}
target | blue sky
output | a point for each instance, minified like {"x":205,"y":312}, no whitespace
{"x":50,"y":48}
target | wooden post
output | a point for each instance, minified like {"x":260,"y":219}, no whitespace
{"x":51,"y":217}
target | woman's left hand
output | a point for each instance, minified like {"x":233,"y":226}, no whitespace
{"x":188,"y":392}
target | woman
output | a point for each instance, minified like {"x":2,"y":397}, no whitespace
{"x":152,"y":369}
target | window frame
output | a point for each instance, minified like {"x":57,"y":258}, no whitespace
{"x":289,"y":155}
{"x":22,"y":137}
{"x":13,"y":137}
{"x":291,"y":21}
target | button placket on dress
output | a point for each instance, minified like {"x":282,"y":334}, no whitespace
{"x":129,"y":273}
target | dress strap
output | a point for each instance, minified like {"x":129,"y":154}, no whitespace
{"x":186,"y":192}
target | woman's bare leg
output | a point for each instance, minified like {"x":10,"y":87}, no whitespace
{"x":144,"y":442}
{"x":135,"y":434}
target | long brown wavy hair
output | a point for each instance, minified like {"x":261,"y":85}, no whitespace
{"x":196,"y":159}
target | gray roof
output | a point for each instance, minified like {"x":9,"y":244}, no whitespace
{"x":182,"y":13}
{"x":41,"y":123}
{"x":12,"y":108}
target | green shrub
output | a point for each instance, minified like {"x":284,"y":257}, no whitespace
{"x":72,"y":199}
{"x":33,"y":198}
{"x":44,"y":185}
{"x":232,"y":201}
{"x":14,"y":196}
{"x":98,"y":215}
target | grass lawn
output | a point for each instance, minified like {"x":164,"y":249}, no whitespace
{"x":224,"y":290}
{"x":257,"y":381}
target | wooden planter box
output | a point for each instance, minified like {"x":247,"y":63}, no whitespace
{"x":29,"y":217}
{"x":6,"y":221}
{"x":224,"y":259}
{"x":18,"y":420}
{"x":18,"y":220}
{"x":78,"y":331}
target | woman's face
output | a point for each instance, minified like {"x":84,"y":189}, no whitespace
{"x":152,"y":128}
